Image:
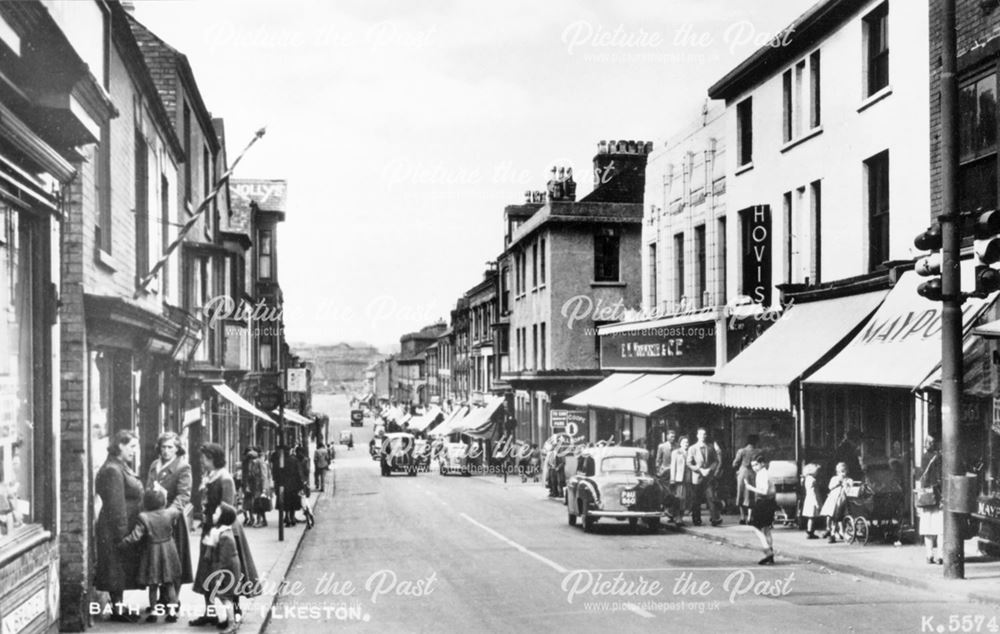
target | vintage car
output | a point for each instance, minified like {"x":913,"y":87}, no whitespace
{"x":454,"y":458}
{"x":357,"y":418}
{"x":614,"y":483}
{"x":422,"y":454}
{"x":396,"y":454}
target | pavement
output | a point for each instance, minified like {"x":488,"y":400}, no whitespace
{"x":272,"y":558}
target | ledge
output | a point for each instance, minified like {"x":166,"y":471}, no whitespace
{"x":21,"y":541}
{"x":609,"y":284}
{"x":107,"y":260}
{"x":743,"y":168}
{"x":802,"y":139}
{"x":875,"y":98}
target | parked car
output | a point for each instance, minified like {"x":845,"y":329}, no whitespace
{"x":396,"y":454}
{"x":422,"y":454}
{"x":454,"y":457}
{"x":613,"y":483}
{"x":357,"y":418}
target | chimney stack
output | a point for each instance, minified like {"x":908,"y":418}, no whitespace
{"x":621,"y":160}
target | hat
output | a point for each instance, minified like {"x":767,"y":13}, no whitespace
{"x":251,"y":454}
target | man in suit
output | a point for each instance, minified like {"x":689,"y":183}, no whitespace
{"x":703,"y":461}
{"x":663,"y":453}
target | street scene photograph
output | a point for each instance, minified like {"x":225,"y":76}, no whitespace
{"x":441,"y":316}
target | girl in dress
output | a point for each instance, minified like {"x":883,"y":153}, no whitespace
{"x":764,"y":506}
{"x":836,"y":500}
{"x":224,"y":563}
{"x":159,"y":563}
{"x":811,"y":504}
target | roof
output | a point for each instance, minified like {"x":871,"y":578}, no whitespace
{"x":821,"y":19}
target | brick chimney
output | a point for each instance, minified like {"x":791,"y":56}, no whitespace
{"x":620,"y":171}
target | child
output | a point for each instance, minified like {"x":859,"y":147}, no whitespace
{"x":222,"y":555}
{"x":811,"y":504}
{"x":159,"y":562}
{"x":833,"y":507}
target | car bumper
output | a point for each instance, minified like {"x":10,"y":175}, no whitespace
{"x":627,"y":514}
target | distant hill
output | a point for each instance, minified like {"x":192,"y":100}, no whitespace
{"x":337,"y":364}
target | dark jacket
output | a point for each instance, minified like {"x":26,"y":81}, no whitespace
{"x":120,"y":491}
{"x":176,"y":479}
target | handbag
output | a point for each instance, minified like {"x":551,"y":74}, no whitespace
{"x":927,"y":497}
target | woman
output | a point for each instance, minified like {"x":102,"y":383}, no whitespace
{"x":762,"y":511}
{"x":835,"y":503}
{"x":262,"y":503}
{"x":121,"y":501}
{"x":289,"y":479}
{"x":253,"y":486}
{"x":680,"y":480}
{"x":218,"y":487}
{"x":743,"y":473}
{"x":931,"y":516}
{"x":170,"y":474}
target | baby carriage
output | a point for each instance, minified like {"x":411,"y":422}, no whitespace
{"x":875,"y":507}
{"x":784,"y":475}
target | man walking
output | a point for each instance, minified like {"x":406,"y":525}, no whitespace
{"x":663,"y":454}
{"x":703,"y":460}
{"x":321,"y":460}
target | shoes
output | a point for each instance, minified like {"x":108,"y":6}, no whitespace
{"x":223,"y":625}
{"x":826,"y":535}
{"x":716,"y":522}
{"x":743,"y":522}
{"x":812,"y":536}
{"x":171,"y":618}
{"x":766,"y":561}
{"x":831,"y":540}
{"x":931,"y":560}
{"x":123,"y":618}
{"x":940,"y":561}
{"x":202,"y":620}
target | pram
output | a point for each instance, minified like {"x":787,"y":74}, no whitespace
{"x":874,"y":507}
{"x":784,"y":475}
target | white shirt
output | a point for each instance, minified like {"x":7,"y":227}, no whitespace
{"x":762,"y":483}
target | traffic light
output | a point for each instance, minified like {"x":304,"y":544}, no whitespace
{"x":930,"y":265}
{"x":987,"y":248}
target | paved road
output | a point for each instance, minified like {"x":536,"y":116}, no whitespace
{"x":445,"y":554}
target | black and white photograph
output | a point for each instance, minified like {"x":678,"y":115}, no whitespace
{"x":467,"y":316}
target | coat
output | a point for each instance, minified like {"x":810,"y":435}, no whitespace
{"x":222,"y":555}
{"x":121,"y":500}
{"x":159,"y":563}
{"x":664,"y":456}
{"x":221,"y":489}
{"x":702,"y":456}
{"x":176,"y":479}
{"x":321,"y":458}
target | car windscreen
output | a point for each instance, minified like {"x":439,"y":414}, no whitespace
{"x":621,"y":464}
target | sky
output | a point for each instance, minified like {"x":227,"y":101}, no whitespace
{"x":404,"y":128}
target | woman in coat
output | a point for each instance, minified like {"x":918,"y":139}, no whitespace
{"x":680,"y":479}
{"x":218,"y":487}
{"x":171,"y":474}
{"x":931,"y":517}
{"x":121,"y":492}
{"x":741,"y":462}
{"x":289,"y":477}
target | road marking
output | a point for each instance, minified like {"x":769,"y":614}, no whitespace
{"x":682,"y":568}
{"x":545,"y":560}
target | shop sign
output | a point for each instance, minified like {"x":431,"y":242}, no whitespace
{"x":296,"y":380}
{"x":269,"y":397}
{"x":571,"y":418}
{"x":687,"y":346}
{"x":22,"y":616}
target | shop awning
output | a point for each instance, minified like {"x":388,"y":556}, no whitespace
{"x":192,"y":416}
{"x":291,"y":416}
{"x":230,"y":395}
{"x":446,"y":427}
{"x":977,"y":367}
{"x":685,"y":388}
{"x":760,"y":376}
{"x":638,"y":396}
{"x":900,"y":346}
{"x":596,"y":393}
{"x":479,"y":423}
{"x":421,"y":422}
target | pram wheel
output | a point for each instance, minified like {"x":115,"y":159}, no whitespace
{"x":848,"y":528}
{"x":862,"y":530}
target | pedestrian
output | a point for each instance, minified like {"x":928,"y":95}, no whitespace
{"x":741,"y":462}
{"x":811,"y":505}
{"x":253,"y":483}
{"x":218,"y":488}
{"x":703,"y":460}
{"x":928,"y":501}
{"x":160,"y":567}
{"x":847,"y":452}
{"x":263,"y":503}
{"x":534,"y":462}
{"x":664,"y":453}
{"x":835,"y":503}
{"x":171,"y":474}
{"x":223,"y":564}
{"x":245,"y":495}
{"x":120,"y":490}
{"x":679,"y":476}
{"x":764,"y":506}
{"x":288,"y":481}
{"x":321,"y":462}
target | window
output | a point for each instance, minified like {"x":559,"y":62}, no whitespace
{"x":264,"y":260}
{"x":814,"y":95}
{"x":164,"y":228}
{"x":802,"y":237}
{"x":678,"y":267}
{"x":206,"y":180}
{"x":701,"y":282}
{"x":744,"y":131}
{"x":541,"y":265}
{"x":266,"y":362}
{"x":504,"y":291}
{"x":786,"y":105}
{"x":652,"y":276}
{"x":786,"y":208}
{"x":816,"y":209}
{"x":534,"y":346}
{"x":141,"y":207}
{"x":876,"y":35}
{"x":542,"y":344}
{"x":534,"y":265}
{"x":877,"y":170}
{"x":606,"y":246}
{"x":102,"y":185}
{"x":977,"y":130}
{"x":187,"y":152}
{"x":720,"y":261}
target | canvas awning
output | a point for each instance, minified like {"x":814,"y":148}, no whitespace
{"x":595,"y":393}
{"x":638,"y":396}
{"x":445,"y":428}
{"x":230,"y":395}
{"x":291,"y":416}
{"x":760,"y":376}
{"x":479,"y":423}
{"x":421,"y":422}
{"x":900,"y":346}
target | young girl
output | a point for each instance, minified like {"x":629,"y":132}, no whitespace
{"x":223,"y":556}
{"x":811,"y":504}
{"x":307,"y":508}
{"x":159,"y":563}
{"x":836,"y":500}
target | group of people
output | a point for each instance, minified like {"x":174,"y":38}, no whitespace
{"x":261,"y":479}
{"x":692,"y":473}
{"x":142,"y":534}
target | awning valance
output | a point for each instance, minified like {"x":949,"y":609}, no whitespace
{"x":900,"y":346}
{"x":230,"y":395}
{"x":291,"y":416}
{"x":760,"y":376}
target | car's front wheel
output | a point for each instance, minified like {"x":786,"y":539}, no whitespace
{"x":588,"y":519}
{"x":571,"y":518}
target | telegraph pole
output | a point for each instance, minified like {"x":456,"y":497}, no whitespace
{"x":951,"y":316}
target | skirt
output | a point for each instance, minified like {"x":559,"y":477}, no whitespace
{"x":744,"y":496}
{"x":762,"y":513}
{"x":811,"y":506}
{"x":834,"y":504}
{"x":931,"y":521}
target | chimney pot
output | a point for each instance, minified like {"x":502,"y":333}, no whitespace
{"x":602,"y":147}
